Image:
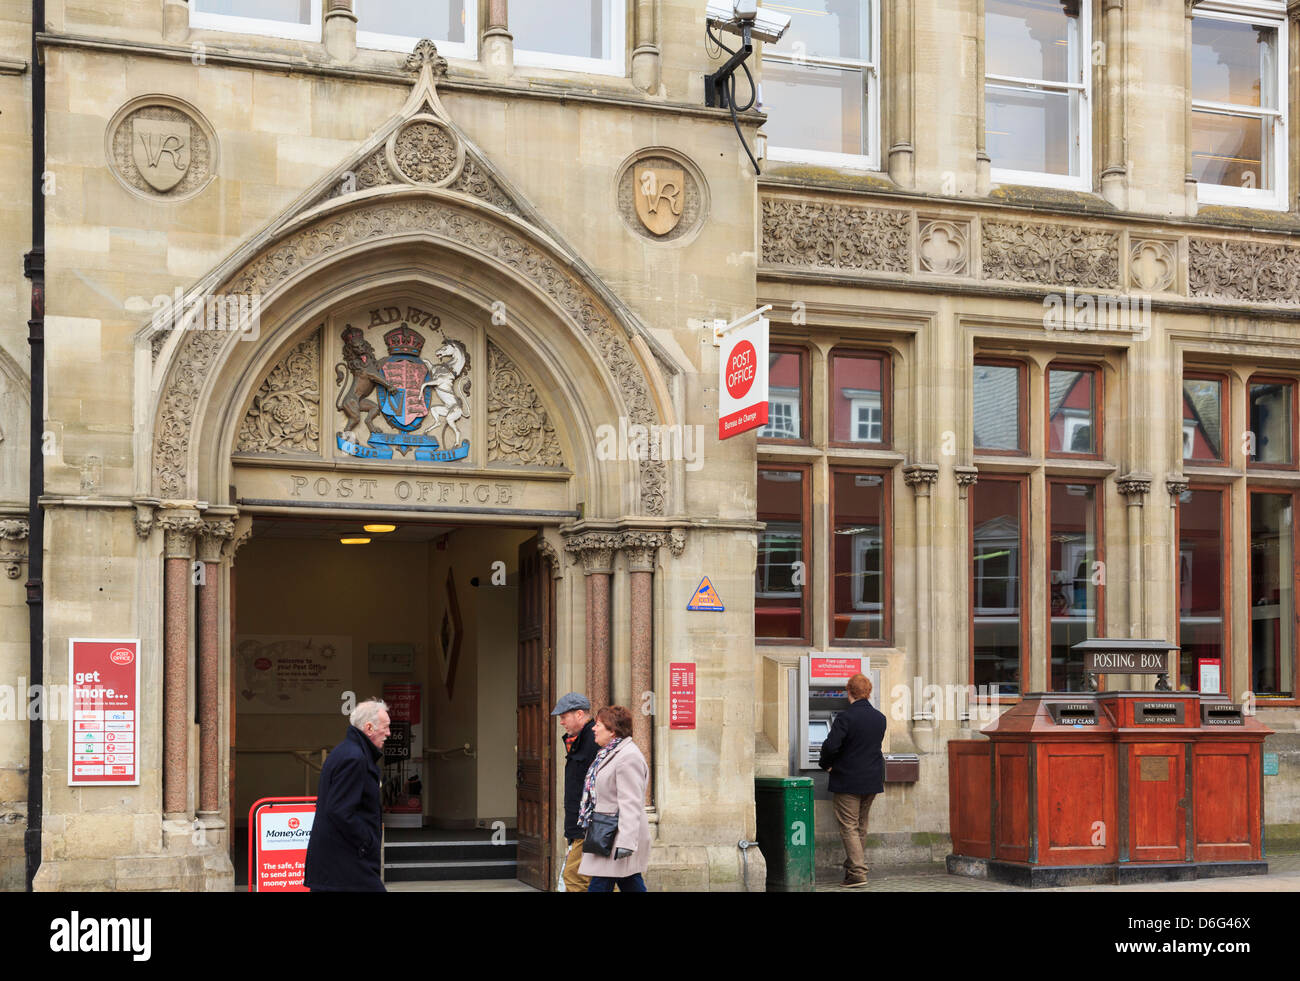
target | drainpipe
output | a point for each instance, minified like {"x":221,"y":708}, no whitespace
{"x":34,"y":269}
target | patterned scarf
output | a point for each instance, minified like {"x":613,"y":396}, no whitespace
{"x":588,"y":806}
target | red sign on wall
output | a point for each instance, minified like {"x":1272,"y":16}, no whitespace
{"x":742,"y":377}
{"x":836,"y":667}
{"x":681,"y":695}
{"x":403,"y":702}
{"x":279,"y":830}
{"x":104,"y":739}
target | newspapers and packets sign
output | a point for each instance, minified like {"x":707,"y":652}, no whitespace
{"x":104,"y":738}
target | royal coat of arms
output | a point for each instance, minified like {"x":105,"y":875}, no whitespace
{"x":416,"y":397}
{"x":160,"y":149}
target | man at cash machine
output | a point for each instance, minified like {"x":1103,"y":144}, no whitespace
{"x":851,"y":753}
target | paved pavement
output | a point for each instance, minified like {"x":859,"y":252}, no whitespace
{"x":1283,"y":876}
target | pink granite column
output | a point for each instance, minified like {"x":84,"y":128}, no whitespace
{"x":214,"y":535}
{"x":598,"y":566}
{"x":640,"y":567}
{"x":179,"y":527}
{"x":497,"y":12}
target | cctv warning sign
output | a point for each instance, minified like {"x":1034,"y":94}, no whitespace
{"x":104,"y":739}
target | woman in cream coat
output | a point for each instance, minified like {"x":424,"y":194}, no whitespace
{"x":616,"y":783}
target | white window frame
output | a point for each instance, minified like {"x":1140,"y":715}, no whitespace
{"x":786,"y":398}
{"x":862,"y":544}
{"x":467,"y":49}
{"x":855,"y":408}
{"x":1083,"y":180}
{"x":870,"y":160}
{"x":615,"y":65}
{"x":1262,"y":14}
{"x":256,"y":25}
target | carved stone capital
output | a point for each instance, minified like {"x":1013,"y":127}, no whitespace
{"x":640,"y":558}
{"x":179,"y":526}
{"x":238,"y":540}
{"x":12,"y":554}
{"x":212,"y":537}
{"x":920,"y":477}
{"x":145,"y":508}
{"x":552,"y":555}
{"x":1135,"y":486}
{"x":966,"y":476}
{"x":596,"y":550}
{"x":1176,"y":484}
{"x":1293,"y":10}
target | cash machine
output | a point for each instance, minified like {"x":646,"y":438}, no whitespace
{"x":823,"y":694}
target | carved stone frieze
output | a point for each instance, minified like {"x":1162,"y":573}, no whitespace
{"x":285,"y":414}
{"x":519,"y":429}
{"x":943,"y":247}
{"x":1055,"y":255}
{"x":172,"y":436}
{"x":13,"y":550}
{"x":835,"y":236}
{"x":1152,"y":265}
{"x":1259,"y":272}
{"x":376,"y":220}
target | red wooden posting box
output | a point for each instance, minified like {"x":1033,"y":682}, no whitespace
{"x":1109,"y":787}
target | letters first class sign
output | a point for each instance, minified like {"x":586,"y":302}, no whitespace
{"x":742,"y":377}
{"x":104,"y":739}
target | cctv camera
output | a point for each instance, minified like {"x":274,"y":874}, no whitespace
{"x":734,"y":17}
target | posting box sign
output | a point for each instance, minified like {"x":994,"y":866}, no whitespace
{"x":742,"y":380}
{"x":104,"y":738}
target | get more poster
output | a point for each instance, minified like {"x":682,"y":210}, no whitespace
{"x":104,"y":738}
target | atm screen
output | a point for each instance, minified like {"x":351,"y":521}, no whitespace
{"x":818,"y":730}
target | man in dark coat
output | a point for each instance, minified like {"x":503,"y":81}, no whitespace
{"x":852,"y":755}
{"x":574,"y":711}
{"x":343,"y":854}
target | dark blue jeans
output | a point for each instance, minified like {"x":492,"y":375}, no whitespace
{"x":606,"y":883}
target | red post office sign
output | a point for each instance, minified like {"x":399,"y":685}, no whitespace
{"x":742,"y":379}
{"x":279,"y":829}
{"x":104,"y":738}
{"x":681,"y":695}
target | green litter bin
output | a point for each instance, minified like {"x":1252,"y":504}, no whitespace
{"x":784,"y":811}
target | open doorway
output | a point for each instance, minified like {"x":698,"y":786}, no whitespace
{"x":449,"y":623}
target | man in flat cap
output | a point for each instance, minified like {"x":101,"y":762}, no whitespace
{"x":574,"y":711}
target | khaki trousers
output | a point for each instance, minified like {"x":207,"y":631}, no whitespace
{"x":851,"y":813}
{"x":573,"y":882}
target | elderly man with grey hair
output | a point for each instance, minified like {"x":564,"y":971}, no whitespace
{"x":343,"y":854}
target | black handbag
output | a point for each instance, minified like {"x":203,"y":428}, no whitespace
{"x":600,"y":834}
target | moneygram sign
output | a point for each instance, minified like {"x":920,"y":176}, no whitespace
{"x":279,"y":831}
{"x":742,"y":376}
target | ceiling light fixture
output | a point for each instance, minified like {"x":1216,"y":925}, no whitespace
{"x":380,"y":529}
{"x":354,"y":541}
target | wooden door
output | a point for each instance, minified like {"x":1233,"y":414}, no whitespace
{"x":1157,"y":830}
{"x":534,"y":733}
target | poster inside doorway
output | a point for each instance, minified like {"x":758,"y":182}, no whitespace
{"x":104,"y":739}
{"x":286,"y":674}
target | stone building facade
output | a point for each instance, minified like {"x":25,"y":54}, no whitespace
{"x":1027,"y":312}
